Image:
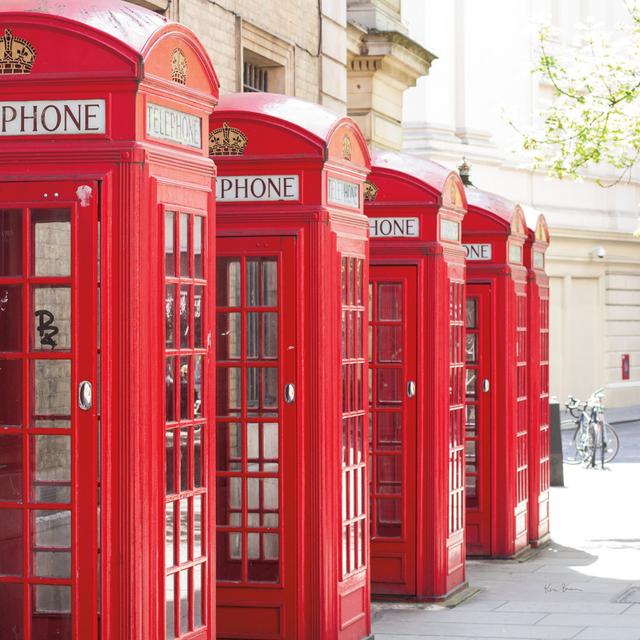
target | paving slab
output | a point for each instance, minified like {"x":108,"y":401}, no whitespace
{"x":606,"y":633}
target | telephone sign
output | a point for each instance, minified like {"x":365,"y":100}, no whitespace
{"x":478,"y":251}
{"x":394,"y":227}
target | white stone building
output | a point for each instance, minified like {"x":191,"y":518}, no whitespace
{"x":485,"y":53}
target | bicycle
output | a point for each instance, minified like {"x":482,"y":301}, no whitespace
{"x":593,"y":435}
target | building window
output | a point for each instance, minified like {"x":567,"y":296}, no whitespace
{"x":254,"y":78}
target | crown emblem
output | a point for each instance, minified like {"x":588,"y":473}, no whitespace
{"x":370,"y":191}
{"x":227,"y":141}
{"x":178,"y":66}
{"x":16,"y":54}
{"x":346,"y":148}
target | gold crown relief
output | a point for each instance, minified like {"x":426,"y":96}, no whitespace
{"x":346,"y":147}
{"x":179,"y":66}
{"x":370,"y":191}
{"x":16,"y":54}
{"x":227,"y":141}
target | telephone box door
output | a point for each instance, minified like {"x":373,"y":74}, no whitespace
{"x":48,"y":411}
{"x":256,"y":437}
{"x":393,"y":447}
{"x":478,"y":420}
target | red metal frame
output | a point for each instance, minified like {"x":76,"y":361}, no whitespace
{"x":538,"y":345}
{"x":324,"y":493}
{"x":433,"y":199}
{"x":495,"y":222}
{"x":118,"y":179}
{"x":392,"y":354}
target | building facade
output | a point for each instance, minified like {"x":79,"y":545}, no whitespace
{"x":486,"y":51}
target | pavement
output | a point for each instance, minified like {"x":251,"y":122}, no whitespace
{"x":585,"y":585}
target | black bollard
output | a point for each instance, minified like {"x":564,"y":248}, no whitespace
{"x":557,"y":474}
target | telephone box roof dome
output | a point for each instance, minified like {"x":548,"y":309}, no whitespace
{"x":427,"y":171}
{"x":126,"y":22}
{"x":491,"y":203}
{"x":308,"y":116}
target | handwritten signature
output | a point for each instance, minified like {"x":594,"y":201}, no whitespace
{"x":548,"y":588}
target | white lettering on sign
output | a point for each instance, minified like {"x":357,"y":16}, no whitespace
{"x":344,"y":193}
{"x":449,"y":230}
{"x":478,"y":251}
{"x":257,"y":188}
{"x":515,"y":253}
{"x":52,"y":117}
{"x":394,"y":227}
{"x":168,"y":124}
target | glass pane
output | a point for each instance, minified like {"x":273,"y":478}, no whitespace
{"x":185,"y":269}
{"x":197,"y":456}
{"x":198,"y":224}
{"x":11,"y":385}
{"x":169,"y":599}
{"x":169,"y":244}
{"x":52,"y":318}
{"x":388,"y":430}
{"x":389,"y":474}
{"x":52,"y":564}
{"x":51,"y":529}
{"x":470,"y":384}
{"x":52,"y":599}
{"x":197,"y":595}
{"x":389,"y":518}
{"x":471,"y":491}
{"x":10,"y":242}
{"x":197,"y":526}
{"x":229,"y":501}
{"x":262,"y":390}
{"x":170,"y":316}
{"x":198,"y":308}
{"x":228,"y":326}
{"x":228,"y":391}
{"x":263,"y":564}
{"x":184,"y":601}
{"x":170,"y":387}
{"x":12,"y":607}
{"x":51,"y":468}
{"x":10,"y":318}
{"x":51,"y":242}
{"x":169,"y":527}
{"x":186,"y":389}
{"x":262,"y":335}
{"x":52,"y":401}
{"x":229,"y":447}
{"x":389,"y":343}
{"x":471,"y":316}
{"x":10,"y":469}
{"x":389,"y":301}
{"x":229,"y":556}
{"x":170,"y":462}
{"x":358,"y":287}
{"x":198,"y":380}
{"x":184,"y":316}
{"x":184,"y":460}
{"x":11,"y":545}
{"x":389,"y":386}
{"x":184,"y":531}
{"x":228,"y":282}
{"x":471,"y":347}
{"x":262,"y":282}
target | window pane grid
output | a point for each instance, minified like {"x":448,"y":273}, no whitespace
{"x":522,"y":424}
{"x":353,"y":513}
{"x":249,"y":439}
{"x":186,"y":426}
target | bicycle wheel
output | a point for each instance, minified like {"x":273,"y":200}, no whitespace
{"x":570,"y":452}
{"x":586,"y":444}
{"x":611,"y":443}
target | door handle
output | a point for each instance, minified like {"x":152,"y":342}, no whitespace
{"x":289,"y":393}
{"x":85,"y":395}
{"x":411,"y":389}
{"x":485,"y":385}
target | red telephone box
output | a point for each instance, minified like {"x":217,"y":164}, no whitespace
{"x":497,"y":422}
{"x":292,"y":523}
{"x":416,"y":350}
{"x":106,"y":204}
{"x":538,"y":348}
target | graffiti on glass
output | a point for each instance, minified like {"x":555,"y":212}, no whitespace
{"x":46,"y":328}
